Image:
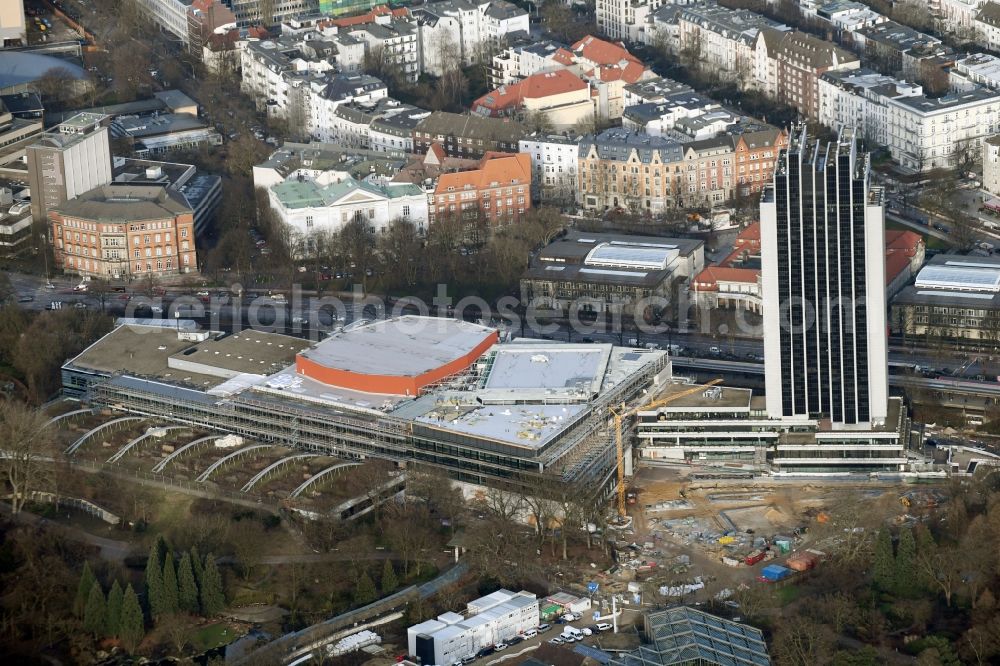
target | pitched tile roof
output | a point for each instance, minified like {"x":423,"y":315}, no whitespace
{"x":368,"y":17}
{"x":536,"y":86}
{"x":902,"y":241}
{"x":601,"y":52}
{"x":499,"y":168}
{"x":895,"y":263}
{"x":710,"y":277}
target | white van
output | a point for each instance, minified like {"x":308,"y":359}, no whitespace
{"x":571,"y":633}
{"x":530,"y":633}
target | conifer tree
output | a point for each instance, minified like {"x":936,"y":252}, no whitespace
{"x":131,"y":629}
{"x":364,"y":591}
{"x":187,"y":588}
{"x":94,"y":612}
{"x":883,"y":565}
{"x":171,"y":595}
{"x":389,"y":582}
{"x":154,"y":582}
{"x":905,"y":565}
{"x":213,"y":599}
{"x":197,"y":565}
{"x":83,"y":589}
{"x":113,"y":616}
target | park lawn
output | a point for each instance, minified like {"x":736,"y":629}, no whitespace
{"x":212,"y":636}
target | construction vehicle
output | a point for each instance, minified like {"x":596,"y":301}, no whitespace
{"x":623,"y":413}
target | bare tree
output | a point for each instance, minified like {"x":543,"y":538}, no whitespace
{"x":799,"y":641}
{"x":28,"y":444}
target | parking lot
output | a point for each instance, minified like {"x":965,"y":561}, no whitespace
{"x":551,"y":633}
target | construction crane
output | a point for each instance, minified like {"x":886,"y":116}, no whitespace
{"x":622,"y":413}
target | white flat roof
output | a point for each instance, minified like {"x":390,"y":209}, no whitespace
{"x":649,"y":256}
{"x":546,"y":371}
{"x":970,"y":276}
{"x":402,"y":346}
{"x":530,"y":426}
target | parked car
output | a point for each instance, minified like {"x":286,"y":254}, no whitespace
{"x":499,"y":647}
{"x":587,"y":631}
{"x":714,"y":350}
{"x":542,"y":628}
{"x":556,"y":641}
{"x":603,"y":626}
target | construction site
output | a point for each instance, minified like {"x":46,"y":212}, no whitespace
{"x":436,"y":391}
{"x":691,"y":538}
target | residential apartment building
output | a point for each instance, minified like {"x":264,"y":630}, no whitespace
{"x":976,"y":69}
{"x":610,"y":273}
{"x":628,"y":19}
{"x":393,"y":132}
{"x":323,"y":98}
{"x":526,"y":57}
{"x":651,"y":175}
{"x":619,"y":169}
{"x":394,"y":41}
{"x":124,"y":232}
{"x":466,"y":30}
{"x":845,"y":16}
{"x":987,"y":26}
{"x":68,"y":160}
{"x":898,"y":49}
{"x":264,"y":64}
{"x":824,"y":362}
{"x":722,"y":40}
{"x":677,"y":113}
{"x":553,"y":166}
{"x":959,"y":16}
{"x":652,"y":91}
{"x":790,"y":63}
{"x":609,"y":67}
{"x":325,"y":163}
{"x":859,"y":98}
{"x":939,"y":132}
{"x":206,"y":18}
{"x":467,"y":135}
{"x":498,"y":192}
{"x":991,"y":165}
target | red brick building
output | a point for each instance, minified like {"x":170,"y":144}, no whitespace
{"x":499,"y":191}
{"x":124,"y":232}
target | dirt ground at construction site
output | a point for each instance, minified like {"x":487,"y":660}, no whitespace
{"x":691,"y":538}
